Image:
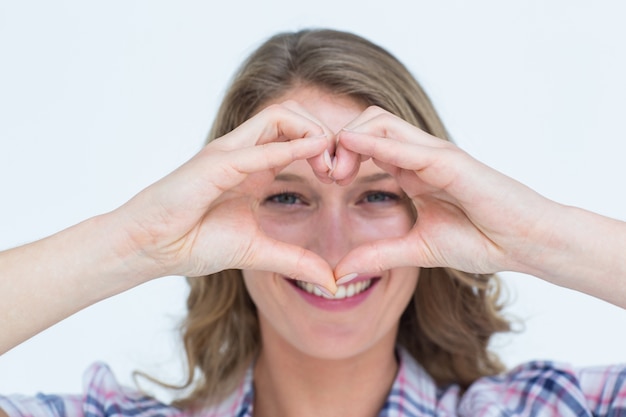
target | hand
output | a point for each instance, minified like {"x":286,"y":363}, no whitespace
{"x":469,"y":216}
{"x":199,"y":219}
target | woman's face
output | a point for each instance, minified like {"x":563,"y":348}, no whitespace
{"x":330,"y":220}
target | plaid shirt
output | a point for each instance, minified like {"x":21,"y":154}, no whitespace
{"x":534,"y":389}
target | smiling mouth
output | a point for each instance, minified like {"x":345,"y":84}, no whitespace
{"x":343,"y":291}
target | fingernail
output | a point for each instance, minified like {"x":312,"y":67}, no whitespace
{"x":327,"y":160}
{"x":346,"y":278}
{"x":333,"y":165}
{"x":325,"y":291}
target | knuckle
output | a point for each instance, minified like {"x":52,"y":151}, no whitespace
{"x":374,"y":110}
{"x":290,"y":104}
{"x":385,"y":118}
{"x":272,"y":111}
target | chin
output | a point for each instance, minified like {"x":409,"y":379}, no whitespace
{"x":329,"y":341}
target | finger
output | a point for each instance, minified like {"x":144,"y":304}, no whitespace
{"x":267,"y":157}
{"x":321,"y":164}
{"x":282,"y":122}
{"x":445,"y":168}
{"x":294,"y":262}
{"x":409,"y":180}
{"x":211,"y":172}
{"x":438,"y":166}
{"x":347,"y":164}
{"x":324,"y":160}
{"x":378,"y":122}
{"x":348,"y":161}
{"x":274,"y":123}
{"x":366,"y":115}
{"x":382,"y":255}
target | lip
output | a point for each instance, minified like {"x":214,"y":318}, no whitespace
{"x":343,"y":304}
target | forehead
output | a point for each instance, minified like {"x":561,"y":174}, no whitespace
{"x":335,"y":111}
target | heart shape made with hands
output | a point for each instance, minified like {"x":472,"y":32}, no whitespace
{"x":204,"y":220}
{"x":342,"y":168}
{"x":443,"y":183}
{"x":442,"y":234}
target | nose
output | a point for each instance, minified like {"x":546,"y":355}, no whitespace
{"x":333,"y":235}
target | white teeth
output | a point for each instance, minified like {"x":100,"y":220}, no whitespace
{"x":315,"y":291}
{"x":343,"y":291}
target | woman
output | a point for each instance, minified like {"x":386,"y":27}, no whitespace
{"x":326,"y":230}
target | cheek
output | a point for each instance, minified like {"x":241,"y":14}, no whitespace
{"x":289,"y":229}
{"x":396,"y":223}
{"x":402,"y":284}
{"x":267,"y":292}
{"x":357,"y":225}
{"x":256,"y":283}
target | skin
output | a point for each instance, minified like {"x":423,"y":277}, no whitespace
{"x":475,"y":219}
{"x":203,"y":218}
{"x":167,"y":229}
{"x":300,"y":340}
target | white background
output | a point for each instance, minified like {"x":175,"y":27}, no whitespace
{"x":99,"y":99}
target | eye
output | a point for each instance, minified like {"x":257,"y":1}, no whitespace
{"x":380,"y":197}
{"x":285,"y":198}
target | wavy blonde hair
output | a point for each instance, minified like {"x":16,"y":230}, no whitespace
{"x":452,"y":316}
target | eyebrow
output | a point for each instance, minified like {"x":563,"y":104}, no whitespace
{"x":289,"y":178}
{"x":379,"y":176}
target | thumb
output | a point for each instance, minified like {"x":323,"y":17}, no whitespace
{"x":293,"y":262}
{"x":379,"y":256}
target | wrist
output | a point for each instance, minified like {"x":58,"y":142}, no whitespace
{"x":547,"y":243}
{"x":122,"y":259}
{"x":580,"y":250}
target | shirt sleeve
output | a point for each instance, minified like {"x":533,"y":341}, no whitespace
{"x":549,"y":389}
{"x":42,"y":405}
{"x":103,"y":397}
{"x":604,"y":389}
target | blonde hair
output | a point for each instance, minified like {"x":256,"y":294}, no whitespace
{"x":452,"y":316}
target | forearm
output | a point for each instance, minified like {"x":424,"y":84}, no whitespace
{"x":583,"y":251}
{"x":46,"y":281}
